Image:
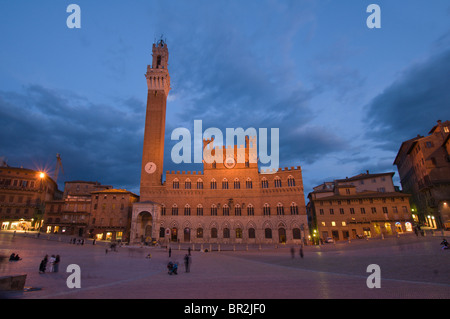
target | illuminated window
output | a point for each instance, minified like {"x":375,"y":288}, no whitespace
{"x":333,"y":223}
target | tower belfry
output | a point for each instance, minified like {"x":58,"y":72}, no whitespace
{"x":158,"y":83}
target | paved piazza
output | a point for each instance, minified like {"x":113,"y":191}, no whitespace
{"x":411,"y":267}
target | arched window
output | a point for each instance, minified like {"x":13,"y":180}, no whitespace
{"x":277,"y":181}
{"x":291,"y":181}
{"x":213,"y":184}
{"x":268,"y":233}
{"x":296,"y":234}
{"x":213,"y":232}
{"x":176,"y":183}
{"x":174,"y":210}
{"x":199,"y":210}
{"x":294,"y":209}
{"x":238,"y":233}
{"x":237,"y":210}
{"x":251,"y":233}
{"x":224,"y":183}
{"x":163,"y":210}
{"x":237,"y":183}
{"x":187,"y":210}
{"x":280,"y":209}
{"x":226,"y":233}
{"x":199,"y":184}
{"x":264,"y":183}
{"x":213,"y":210}
{"x":250,"y":210}
{"x":248,"y":183}
{"x":187,"y":184}
{"x":226,"y":210}
{"x":266,"y":210}
{"x":199,"y":232}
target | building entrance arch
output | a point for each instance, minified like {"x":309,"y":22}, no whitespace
{"x":144,"y":226}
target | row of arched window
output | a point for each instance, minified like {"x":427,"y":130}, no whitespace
{"x":226,"y":233}
{"x":226,"y":210}
{"x":236,"y":183}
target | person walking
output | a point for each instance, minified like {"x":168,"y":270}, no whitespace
{"x":170,"y":252}
{"x":187,"y":262}
{"x":56,"y":263}
{"x":52,"y":263}
{"x":301,"y":251}
{"x":292,"y":252}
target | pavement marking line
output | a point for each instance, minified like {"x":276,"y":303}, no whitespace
{"x":343,"y":274}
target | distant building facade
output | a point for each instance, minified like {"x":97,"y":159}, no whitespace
{"x":365,"y":205}
{"x":423,"y":164}
{"x":231,"y":201}
{"x":111,"y":214}
{"x":23,"y":193}
{"x":71,"y":214}
{"x":92,"y":210}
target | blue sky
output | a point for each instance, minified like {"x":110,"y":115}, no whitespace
{"x":344,"y":96}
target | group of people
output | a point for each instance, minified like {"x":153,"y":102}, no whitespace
{"x":293,"y":252}
{"x":77,"y":241}
{"x":172,"y":267}
{"x":14,"y":257}
{"x":53,"y":262}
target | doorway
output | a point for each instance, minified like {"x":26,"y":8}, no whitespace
{"x":282,"y":235}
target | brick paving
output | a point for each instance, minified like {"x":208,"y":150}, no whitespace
{"x":411,"y":267}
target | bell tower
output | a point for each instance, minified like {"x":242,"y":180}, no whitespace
{"x":158,"y":83}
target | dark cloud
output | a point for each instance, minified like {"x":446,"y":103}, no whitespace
{"x":412,"y":104}
{"x":96,"y":141}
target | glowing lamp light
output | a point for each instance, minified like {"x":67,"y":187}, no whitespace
{"x":41,"y":175}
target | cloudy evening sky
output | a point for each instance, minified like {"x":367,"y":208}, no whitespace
{"x":343,"y":96}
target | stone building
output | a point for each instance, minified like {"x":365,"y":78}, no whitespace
{"x":23,"y":193}
{"x":111,"y":214}
{"x":230,"y":201}
{"x":71,"y":214}
{"x":365,"y":205}
{"x":423,"y":164}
